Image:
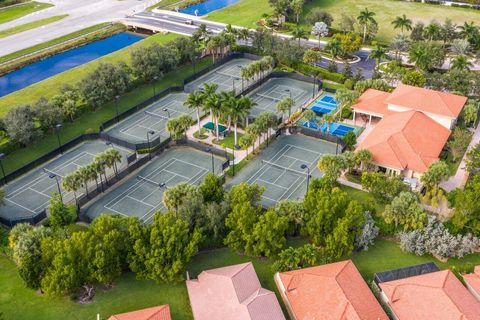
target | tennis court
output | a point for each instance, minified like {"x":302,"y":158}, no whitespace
{"x":280,"y":167}
{"x":227,"y":77}
{"x":154,"y":119}
{"x":269,"y":94}
{"x":142,"y":194}
{"x":337,"y":129}
{"x":325,"y":104}
{"x":29,"y":195}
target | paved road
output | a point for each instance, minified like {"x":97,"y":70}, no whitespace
{"x":82,"y":14}
{"x":177,"y":22}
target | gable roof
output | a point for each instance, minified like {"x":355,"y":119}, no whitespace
{"x":373,"y":101}
{"x":473,"y":280}
{"x":426,"y":100}
{"x":330,"y":292}
{"x":406,"y":140}
{"x":155,"y":313}
{"x":232,"y":293}
{"x":437,"y":295}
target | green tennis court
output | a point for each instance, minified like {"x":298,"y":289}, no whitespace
{"x":142,"y":194}
{"x":154,"y":119}
{"x":269,"y":94}
{"x":279,"y":168}
{"x":227,"y":77}
{"x":29,"y":195}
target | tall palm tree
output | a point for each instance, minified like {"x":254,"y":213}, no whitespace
{"x":378,"y":54}
{"x":92,"y":173}
{"x":228,"y":101}
{"x":461,"y":62}
{"x":71,"y":183}
{"x":364,"y":157}
{"x":419,"y":56}
{"x":244,"y":34}
{"x":112,"y":157}
{"x":432,"y":31}
{"x":214,"y":104}
{"x":248,"y":105}
{"x":84,"y":176}
{"x":299,"y":33}
{"x":282,"y":107}
{"x":334,"y":48}
{"x":366,"y":18}
{"x":237,"y":113}
{"x":399,"y":44}
{"x":402,"y":22}
{"x":309,"y":117}
{"x":329,"y":119}
{"x":469,"y":30}
{"x":195,"y":101}
{"x":297,"y":8}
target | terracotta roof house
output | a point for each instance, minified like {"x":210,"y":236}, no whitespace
{"x":232,"y":293}
{"x":472,"y":280}
{"x":413,"y":128}
{"x":334,"y":291}
{"x":155,"y":313}
{"x":436,"y":295}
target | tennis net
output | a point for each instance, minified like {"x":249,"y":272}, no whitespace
{"x":52,"y":172}
{"x":153,"y":114}
{"x":226,"y":74}
{"x":262,"y":95}
{"x":276,"y":165}
{"x":152,"y":182}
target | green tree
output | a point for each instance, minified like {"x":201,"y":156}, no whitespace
{"x":195,"y":101}
{"x":60,"y":215}
{"x":317,"y":15}
{"x":405,"y":211}
{"x":286,"y":104}
{"x":426,"y":55}
{"x":294,"y":212}
{"x":152,"y":62}
{"x":243,"y":201}
{"x":212,"y":188}
{"x":299,"y":258}
{"x":383,"y":186}
{"x":320,"y":29}
{"x":347,"y":43}
{"x":461,"y":62}
{"x":269,"y":234}
{"x":310,"y":117}
{"x":350,"y":139}
{"x":185,"y":201}
{"x":332,"y":167}
{"x":437,"y":172}
{"x":470,"y":112}
{"x":364,"y":157}
{"x":297,"y":8}
{"x":466,"y":216}
{"x":19,"y":124}
{"x":365,"y":19}
{"x":299,"y":34}
{"x":458,"y":142}
{"x":414,"y":78}
{"x":402,"y":22}
{"x":378,"y":54}
{"x":473,"y":159}
{"x":47,"y":114}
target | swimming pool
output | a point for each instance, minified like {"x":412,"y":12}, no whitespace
{"x":206,"y":7}
{"x":338,"y":129}
{"x":325,"y":104}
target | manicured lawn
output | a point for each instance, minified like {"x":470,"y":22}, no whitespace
{"x":130,"y":294}
{"x":53,"y":42}
{"x":30,"y":25}
{"x":247,"y":12}
{"x":90,"y":121}
{"x":228,"y":141}
{"x":244,"y":13}
{"x":15,"y":12}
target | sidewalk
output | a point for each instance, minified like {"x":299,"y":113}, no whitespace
{"x":461,"y":176}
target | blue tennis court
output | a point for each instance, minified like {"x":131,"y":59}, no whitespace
{"x":324,"y":104}
{"x":337,"y":129}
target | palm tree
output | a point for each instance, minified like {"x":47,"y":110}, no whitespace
{"x":334,"y":48}
{"x":309,"y":117}
{"x":237,"y":113}
{"x":432,"y":31}
{"x":402,"y":22}
{"x":244,"y":34}
{"x":297,"y":8}
{"x":71,"y":183}
{"x":254,"y":131}
{"x":329,"y":118}
{"x":378,"y":54}
{"x":214,"y":104}
{"x":195,"y":101}
{"x":364,"y":157}
{"x":92,"y":173}
{"x":285,"y":105}
{"x":399,"y":44}
{"x":246,"y":141}
{"x":469,"y":30}
{"x":299,"y":33}
{"x":84,"y":176}
{"x":345,"y":98}
{"x":112,"y":156}
{"x":207,"y":91}
{"x":461,"y":62}
{"x":228,"y":100}
{"x":174,"y":127}
{"x":419,"y":56}
{"x":230,"y":30}
{"x":365,"y":18}
{"x":247,"y":104}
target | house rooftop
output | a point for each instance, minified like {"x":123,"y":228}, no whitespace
{"x":473,"y":280}
{"x":155,"y":313}
{"x":334,"y":291}
{"x":437,"y":295}
{"x":373,"y":102}
{"x":232,"y":293}
{"x":406,"y":140}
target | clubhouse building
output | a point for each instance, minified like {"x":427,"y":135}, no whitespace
{"x":408,"y":128}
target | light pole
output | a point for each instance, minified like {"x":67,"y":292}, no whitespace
{"x":117,"y":97}
{"x":150,"y":132}
{"x":2,"y":156}
{"x":58,"y":126}
{"x":304,"y":166}
{"x":213,"y":163}
{"x":155,"y":78}
{"x":314,"y":80}
{"x":52,"y":175}
{"x":167,"y":111}
{"x":290,"y":92}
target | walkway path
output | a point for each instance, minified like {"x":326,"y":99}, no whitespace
{"x":461,"y":176}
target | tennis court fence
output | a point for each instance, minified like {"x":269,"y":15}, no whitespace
{"x":320,"y":135}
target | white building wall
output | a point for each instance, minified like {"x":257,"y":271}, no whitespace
{"x":447,"y":122}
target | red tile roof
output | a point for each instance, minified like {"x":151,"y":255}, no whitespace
{"x":334,"y":291}
{"x":426,"y":100}
{"x":154,"y":313}
{"x":373,"y":101}
{"x":232,"y":293}
{"x":406,"y":140}
{"x":473,"y":280}
{"x":437,"y":295}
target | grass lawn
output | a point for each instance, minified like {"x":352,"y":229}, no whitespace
{"x":90,"y":121}
{"x":53,"y":42}
{"x":30,"y":25}
{"x":130,"y":294}
{"x":247,"y":12}
{"x":228,"y":141}
{"x":244,"y":13}
{"x":15,"y":12}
